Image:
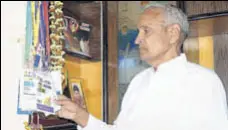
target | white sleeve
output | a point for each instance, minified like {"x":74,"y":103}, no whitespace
{"x":219,"y":105}
{"x":215,"y":106}
{"x":206,"y":108}
{"x":96,"y":124}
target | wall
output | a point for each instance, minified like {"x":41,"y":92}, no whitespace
{"x":11,"y":66}
{"x":13,"y":27}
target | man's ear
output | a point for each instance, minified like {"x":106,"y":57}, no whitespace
{"x":174,"y":31}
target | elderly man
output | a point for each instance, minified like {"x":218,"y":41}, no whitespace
{"x":173,"y":94}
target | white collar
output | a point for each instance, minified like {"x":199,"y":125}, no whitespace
{"x":176,"y":64}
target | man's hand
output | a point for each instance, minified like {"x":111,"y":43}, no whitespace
{"x":71,"y":110}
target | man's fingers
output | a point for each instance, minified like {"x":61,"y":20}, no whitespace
{"x":62,"y":97}
{"x":64,"y":113}
{"x":67,"y":105}
{"x":62,"y":102}
{"x":71,"y":107}
{"x":59,"y":113}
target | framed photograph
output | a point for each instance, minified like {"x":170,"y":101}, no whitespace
{"x":83,"y":29}
{"x":76,"y":92}
{"x":77,"y":36}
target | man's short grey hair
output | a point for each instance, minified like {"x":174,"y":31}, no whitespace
{"x":173,"y":16}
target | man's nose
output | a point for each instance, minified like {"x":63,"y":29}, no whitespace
{"x":138,"y":39}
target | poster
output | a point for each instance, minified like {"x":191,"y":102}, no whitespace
{"x":77,"y":35}
{"x":83,"y":29}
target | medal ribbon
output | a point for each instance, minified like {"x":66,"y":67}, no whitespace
{"x":35,"y":6}
{"x":42,"y":37}
{"x":29,"y":32}
{"x":46,"y":19}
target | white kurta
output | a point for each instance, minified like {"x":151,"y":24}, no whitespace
{"x":178,"y":96}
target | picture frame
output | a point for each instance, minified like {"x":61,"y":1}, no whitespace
{"x":83,"y":29}
{"x":77,"y":35}
{"x":76,"y":92}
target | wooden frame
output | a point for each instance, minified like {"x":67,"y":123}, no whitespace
{"x":112,"y":60}
{"x":198,"y":16}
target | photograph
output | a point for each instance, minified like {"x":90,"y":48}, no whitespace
{"x":76,"y":92}
{"x":82,"y":23}
{"x":77,"y":36}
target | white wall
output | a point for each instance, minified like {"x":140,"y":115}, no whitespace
{"x":12,"y":28}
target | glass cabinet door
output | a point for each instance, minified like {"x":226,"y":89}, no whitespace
{"x":84,"y":52}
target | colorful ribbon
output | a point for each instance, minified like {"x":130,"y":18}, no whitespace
{"x":46,"y":19}
{"x":35,"y":6}
{"x":29,"y":32}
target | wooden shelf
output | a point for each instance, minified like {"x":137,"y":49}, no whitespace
{"x":208,"y":27}
{"x":78,"y":55}
{"x":207,"y":15}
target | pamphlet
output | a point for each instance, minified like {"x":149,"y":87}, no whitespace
{"x":27,"y":97}
{"x":48,"y":88}
{"x":38,"y":90}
